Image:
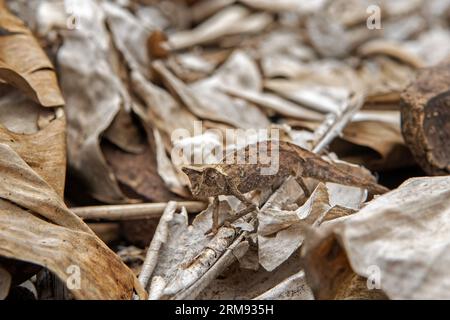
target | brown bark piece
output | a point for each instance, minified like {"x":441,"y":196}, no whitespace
{"x":425,"y":109}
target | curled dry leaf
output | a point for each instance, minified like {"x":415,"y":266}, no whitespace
{"x":275,"y":249}
{"x":94,"y":95}
{"x":327,"y":90}
{"x":182,"y":244}
{"x":161,"y":111}
{"x":137,"y":173}
{"x":205,"y":99}
{"x":400,"y":239}
{"x":32,"y":212}
{"x":160,"y":237}
{"x":189,"y":260}
{"x":172,"y":176}
{"x":384,"y":78}
{"x":382,"y":137}
{"x":284,"y":54}
{"x":24,"y":64}
{"x":129,"y":36}
{"x":18,"y":113}
{"x":229,"y":21}
{"x":33,"y":165}
{"x":274,"y":103}
{"x":44,"y":151}
{"x":392,"y":49}
{"x":281,"y":232}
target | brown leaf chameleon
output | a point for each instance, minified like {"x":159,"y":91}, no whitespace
{"x":236,"y":174}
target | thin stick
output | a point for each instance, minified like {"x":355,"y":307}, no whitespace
{"x":159,"y":238}
{"x":332,"y":127}
{"x":133,"y":211}
{"x":229,"y":256}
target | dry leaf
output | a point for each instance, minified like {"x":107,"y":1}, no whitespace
{"x":129,"y":36}
{"x":24,"y":64}
{"x":44,"y":151}
{"x":229,"y":21}
{"x":399,"y":239}
{"x":61,"y":241}
{"x":205,"y":100}
{"x":137,"y":173}
{"x":275,"y":249}
{"x":93,"y":100}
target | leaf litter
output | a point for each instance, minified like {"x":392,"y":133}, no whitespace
{"x":106,"y":90}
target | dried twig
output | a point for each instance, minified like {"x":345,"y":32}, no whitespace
{"x":159,"y":238}
{"x":333,"y":126}
{"x":156,"y":290}
{"x":295,"y":284}
{"x":134,"y":211}
{"x":236,"y":250}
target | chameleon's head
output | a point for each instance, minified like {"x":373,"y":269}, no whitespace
{"x":205,"y":181}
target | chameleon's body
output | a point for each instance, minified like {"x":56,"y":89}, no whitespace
{"x":230,"y":178}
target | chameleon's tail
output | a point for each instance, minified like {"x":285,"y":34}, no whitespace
{"x":325,"y":171}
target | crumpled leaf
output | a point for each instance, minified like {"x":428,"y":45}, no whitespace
{"x":173,"y":177}
{"x":281,"y":229}
{"x":284,"y":54}
{"x":229,"y":21}
{"x":400,"y":238}
{"x":129,"y":36}
{"x":162,"y":111}
{"x":382,"y":137}
{"x":24,"y":64}
{"x":182,"y":243}
{"x":326,"y":90}
{"x":94,"y":95}
{"x":274,"y":103}
{"x":61,"y":241}
{"x":205,"y":99}
{"x":45,"y":151}
{"x":137,"y":173}
{"x":18,"y":113}
{"x":273,"y":250}
{"x":431,"y":48}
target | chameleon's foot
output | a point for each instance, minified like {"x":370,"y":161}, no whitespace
{"x":213,"y":231}
{"x":229,"y":221}
{"x":241,"y":213}
{"x":215,"y":218}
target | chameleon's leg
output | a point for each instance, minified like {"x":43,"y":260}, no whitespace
{"x":250,"y":206}
{"x":240,"y":214}
{"x":235,"y":192}
{"x":302,"y":184}
{"x":215,"y":215}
